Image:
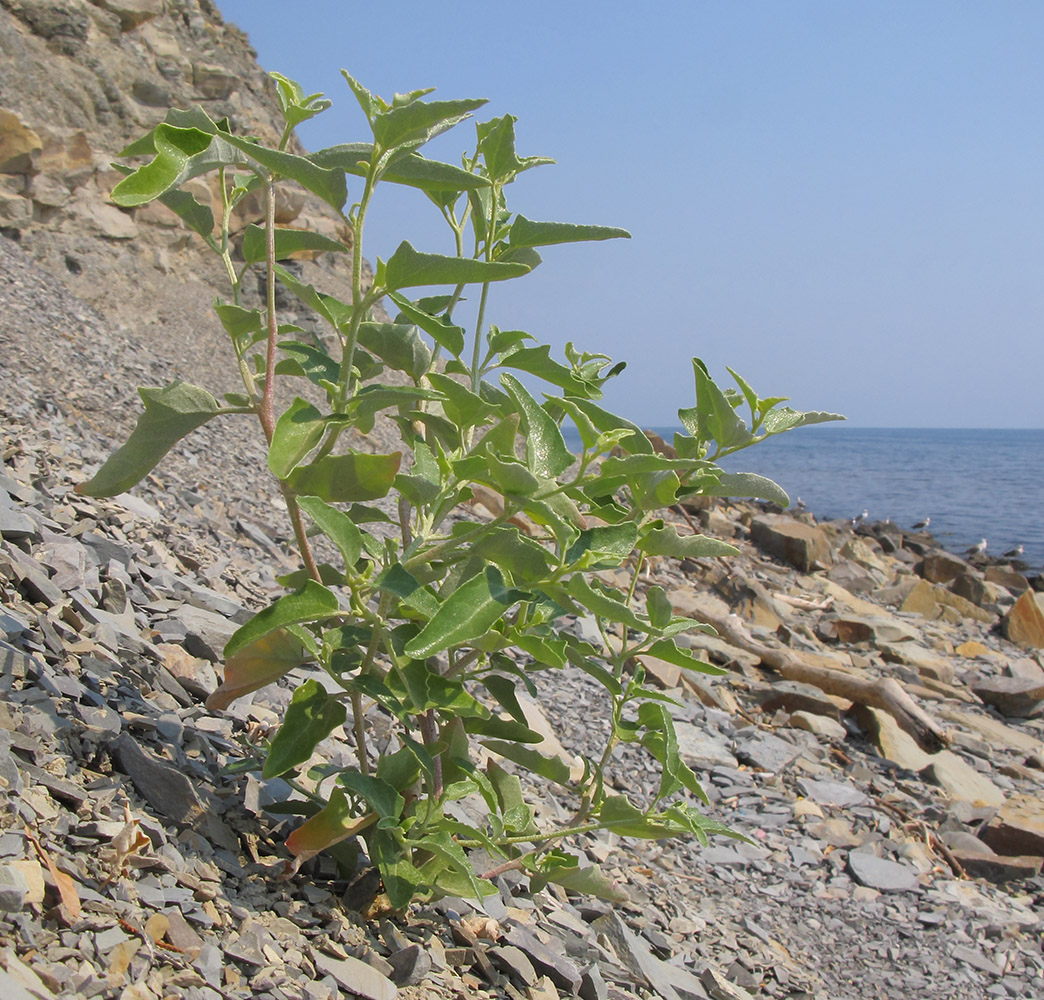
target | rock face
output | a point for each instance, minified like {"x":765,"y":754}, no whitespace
{"x":78,"y":81}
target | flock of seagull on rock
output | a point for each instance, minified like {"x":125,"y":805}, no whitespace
{"x":976,"y":550}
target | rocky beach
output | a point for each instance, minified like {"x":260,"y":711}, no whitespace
{"x":877,"y":735}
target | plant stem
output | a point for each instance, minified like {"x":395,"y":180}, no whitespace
{"x":265,"y":411}
{"x":430,"y":731}
{"x":476,"y":359}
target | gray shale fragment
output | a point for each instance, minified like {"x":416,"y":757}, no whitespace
{"x":881,"y":873}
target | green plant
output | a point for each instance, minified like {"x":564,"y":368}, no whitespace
{"x":439,"y":620}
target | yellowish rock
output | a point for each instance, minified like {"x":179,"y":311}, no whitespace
{"x":19,"y":144}
{"x":1025,"y":622}
{"x":972,"y":650}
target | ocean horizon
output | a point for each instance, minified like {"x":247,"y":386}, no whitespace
{"x":973,"y":483}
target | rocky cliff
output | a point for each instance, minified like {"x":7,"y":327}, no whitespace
{"x":78,"y":81}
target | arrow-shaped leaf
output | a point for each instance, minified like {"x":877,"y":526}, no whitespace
{"x":170,"y":414}
{"x":468,"y":613}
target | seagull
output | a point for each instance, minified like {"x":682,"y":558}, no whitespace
{"x":921,"y":525}
{"x":977,"y":550}
{"x":1015,"y":552}
{"x":801,"y":505}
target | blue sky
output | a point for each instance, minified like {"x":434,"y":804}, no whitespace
{"x":842,"y":201}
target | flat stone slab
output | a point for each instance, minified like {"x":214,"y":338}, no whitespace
{"x":881,"y":873}
{"x":831,"y":793}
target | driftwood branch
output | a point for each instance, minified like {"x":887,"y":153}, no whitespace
{"x":883,"y":693}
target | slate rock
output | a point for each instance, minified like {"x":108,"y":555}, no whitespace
{"x":410,"y":965}
{"x":831,"y":793}
{"x":665,"y":979}
{"x":961,"y":780}
{"x":164,"y":787}
{"x":13,"y":889}
{"x":206,"y":633}
{"x":15,"y":525}
{"x":563,"y":971}
{"x":881,"y":874}
{"x":998,"y":868}
{"x":766,"y":752}
{"x":1012,"y":696}
{"x":701,"y":748}
{"x":514,"y":961}
{"x":356,"y":977}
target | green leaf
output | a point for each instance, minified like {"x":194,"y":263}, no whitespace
{"x":428,"y":689}
{"x":785,"y":419}
{"x":347,"y":478}
{"x":717,"y":418}
{"x":328,"y":184}
{"x":197,"y":217}
{"x":398,"y":346}
{"x":624,"y":819}
{"x":310,"y":717}
{"x":337,"y":526}
{"x":382,"y":797}
{"x":312,"y":602}
{"x":332,"y":310}
{"x":315,"y":365}
{"x":746,"y":484}
{"x":667,"y":542}
{"x":538,"y":361}
{"x":399,"y":581}
{"x":296,"y":106}
{"x":443,"y":331}
{"x":525,"y":233}
{"x":462,"y":406}
{"x":510,"y":477}
{"x":587,"y":430}
{"x":503,"y":689}
{"x":562,"y":869}
{"x":546,"y":452}
{"x":409,"y":268}
{"x":504,"y":729}
{"x":419,"y":121}
{"x":518,"y":816}
{"x":527,"y":561}
{"x":553,"y":768}
{"x":658,"y":607}
{"x":412,"y":170}
{"x":497,"y":146}
{"x":748,"y":393}
{"x":287,"y":242}
{"x":237,"y":321}
{"x":665,"y":649}
{"x":468,"y":613}
{"x":174,"y":148}
{"x":607,"y":423}
{"x":602,"y":547}
{"x":297,"y":431}
{"x":598,"y":602}
{"x":170,"y":414}
{"x":257,"y":664}
{"x":440,"y":842}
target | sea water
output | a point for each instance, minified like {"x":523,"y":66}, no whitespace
{"x":974,"y":484}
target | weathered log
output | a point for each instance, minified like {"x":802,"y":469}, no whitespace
{"x":884,"y":693}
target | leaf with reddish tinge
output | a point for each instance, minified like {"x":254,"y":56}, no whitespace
{"x":263,"y":661}
{"x":70,"y":909}
{"x":332,"y":824}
